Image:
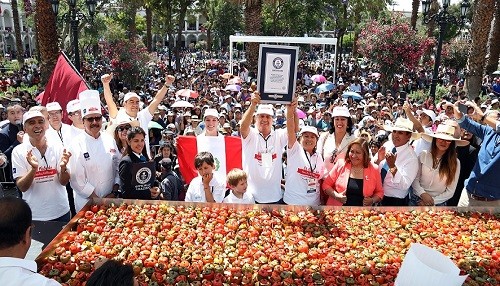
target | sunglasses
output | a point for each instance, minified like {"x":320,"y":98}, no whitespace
{"x":91,"y":119}
{"x":123,"y":128}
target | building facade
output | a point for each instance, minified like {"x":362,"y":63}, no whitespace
{"x":7,"y":35}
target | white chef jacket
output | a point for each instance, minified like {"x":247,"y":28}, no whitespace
{"x":94,"y":167}
{"x":62,"y":138}
{"x":16,"y":271}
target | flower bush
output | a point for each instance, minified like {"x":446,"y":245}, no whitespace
{"x":455,"y":54}
{"x":393,"y":45}
{"x":128,"y":59}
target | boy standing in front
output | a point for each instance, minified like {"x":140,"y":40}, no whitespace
{"x":205,"y":187}
{"x":237,"y":181}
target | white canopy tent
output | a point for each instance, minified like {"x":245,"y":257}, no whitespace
{"x":287,"y":40}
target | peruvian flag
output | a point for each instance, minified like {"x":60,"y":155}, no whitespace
{"x":64,"y":85}
{"x":225,"y":149}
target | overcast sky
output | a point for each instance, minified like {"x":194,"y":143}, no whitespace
{"x":405,"y":5}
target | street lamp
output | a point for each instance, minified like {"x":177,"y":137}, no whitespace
{"x":74,"y":17}
{"x":442,"y":18}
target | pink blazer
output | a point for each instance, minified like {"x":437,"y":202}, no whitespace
{"x":339,"y":176}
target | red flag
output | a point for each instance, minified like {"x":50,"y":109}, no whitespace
{"x":64,"y":85}
{"x":227,"y":151}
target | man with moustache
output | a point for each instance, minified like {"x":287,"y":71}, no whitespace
{"x":40,"y":171}
{"x":11,"y":135}
{"x":262,"y":152}
{"x":94,"y":163}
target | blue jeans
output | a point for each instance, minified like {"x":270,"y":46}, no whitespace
{"x":414,"y":200}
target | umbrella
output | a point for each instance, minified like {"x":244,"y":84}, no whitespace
{"x":181,"y":103}
{"x":235,"y":80}
{"x":318,"y":78}
{"x":187,"y":93}
{"x":211,"y":72}
{"x":496,"y":73}
{"x":153,"y":124}
{"x":324,"y":87}
{"x":301,"y":114}
{"x":354,"y":95}
{"x":233,"y":87}
{"x":227,"y":75}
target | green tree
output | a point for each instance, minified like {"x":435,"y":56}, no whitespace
{"x":227,"y":20}
{"x":17,"y":32}
{"x":46,"y":37}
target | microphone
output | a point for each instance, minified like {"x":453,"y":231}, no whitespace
{"x":19,"y":126}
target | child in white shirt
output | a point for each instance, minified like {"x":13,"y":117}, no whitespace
{"x":206,"y":187}
{"x":237,"y":181}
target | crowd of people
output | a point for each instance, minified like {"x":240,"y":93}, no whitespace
{"x":327,"y":146}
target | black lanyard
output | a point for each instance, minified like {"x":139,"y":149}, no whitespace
{"x":59,"y":132}
{"x":265,"y":139}
{"x":309,"y":160}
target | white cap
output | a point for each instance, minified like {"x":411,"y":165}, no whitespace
{"x":90,"y":102}
{"x":73,"y":105}
{"x":53,"y":106}
{"x":428,"y":112}
{"x":32,"y":114}
{"x":129,"y":95}
{"x":265,"y":109}
{"x":210,"y":112}
{"x":310,"y":129}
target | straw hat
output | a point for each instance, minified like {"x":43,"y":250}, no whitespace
{"x":445,"y":132}
{"x":402,"y":124}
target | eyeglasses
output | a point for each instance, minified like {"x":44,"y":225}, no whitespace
{"x":74,"y":113}
{"x":123,"y":128}
{"x":91,"y":119}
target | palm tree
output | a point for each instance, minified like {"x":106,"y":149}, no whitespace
{"x":414,"y":13}
{"x":480,"y":30}
{"x":253,"y":27}
{"x":46,"y":38}
{"x":17,"y":32}
{"x":149,"y":36}
{"x":493,"y":46}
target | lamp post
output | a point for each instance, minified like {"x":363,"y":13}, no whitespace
{"x":442,"y":18}
{"x":73,"y":17}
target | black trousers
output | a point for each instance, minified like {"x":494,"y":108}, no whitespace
{"x":394,"y":202}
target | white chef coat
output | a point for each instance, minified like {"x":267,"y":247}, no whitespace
{"x":16,"y":271}
{"x":94,"y":167}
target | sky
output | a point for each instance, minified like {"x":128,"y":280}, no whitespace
{"x":405,"y":5}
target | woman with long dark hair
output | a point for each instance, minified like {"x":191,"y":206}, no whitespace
{"x":439,"y":169}
{"x":332,"y":145}
{"x":136,"y":154}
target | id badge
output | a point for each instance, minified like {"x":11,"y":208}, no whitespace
{"x":311,"y":185}
{"x":267,"y":160}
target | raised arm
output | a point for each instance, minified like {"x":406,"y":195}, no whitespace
{"x":291,"y":124}
{"x":409,"y":113}
{"x":108,"y":95}
{"x":160,"y":95}
{"x":246,"y":120}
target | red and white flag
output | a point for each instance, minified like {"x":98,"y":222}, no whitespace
{"x":64,"y":85}
{"x":227,"y":152}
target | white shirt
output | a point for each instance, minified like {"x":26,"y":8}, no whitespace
{"x":429,"y":181}
{"x":62,"y":138}
{"x":246,"y":199}
{"x":264,"y":182}
{"x":421,"y":144}
{"x":326,"y":147}
{"x":75,"y":132}
{"x":407,"y":164}
{"x":302,"y":179}
{"x":16,"y":272}
{"x":46,"y":197}
{"x":94,"y":167}
{"x":195,"y":192}
{"x":144,"y":117}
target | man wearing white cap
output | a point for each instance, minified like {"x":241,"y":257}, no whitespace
{"x":58,"y":131}
{"x":40,"y":171}
{"x":94,"y":163}
{"x":75,"y":115}
{"x":262,"y":152}
{"x":131,"y":102}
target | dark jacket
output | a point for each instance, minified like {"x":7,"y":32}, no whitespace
{"x":126,"y":178}
{"x":8,"y":140}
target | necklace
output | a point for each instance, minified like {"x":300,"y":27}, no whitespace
{"x":357,"y":171}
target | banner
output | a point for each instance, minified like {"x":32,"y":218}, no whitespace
{"x":227,"y":152}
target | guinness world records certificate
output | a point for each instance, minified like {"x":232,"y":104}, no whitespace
{"x":277,"y":73}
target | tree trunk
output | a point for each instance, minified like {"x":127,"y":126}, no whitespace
{"x":493,"y":46}
{"x":149,"y":36}
{"x":180,"y":27}
{"x":209,"y":40}
{"x":132,"y":28}
{"x":46,"y":37}
{"x":431,"y":27}
{"x":253,"y":27}
{"x":17,"y":32}
{"x":414,"y":13}
{"x":480,"y":30}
